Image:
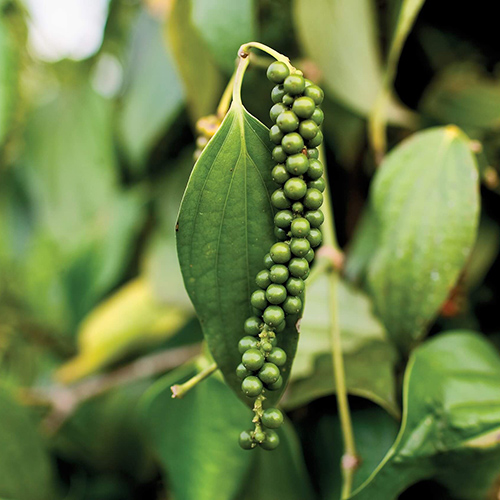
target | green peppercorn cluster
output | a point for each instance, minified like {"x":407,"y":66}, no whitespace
{"x":298,"y":173}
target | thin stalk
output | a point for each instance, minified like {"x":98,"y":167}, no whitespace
{"x":349,"y":459}
{"x":268,"y":50}
{"x":225,"y":101}
{"x":179,"y":391}
{"x":243,"y":61}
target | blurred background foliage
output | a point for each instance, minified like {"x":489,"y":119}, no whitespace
{"x":98,"y":105}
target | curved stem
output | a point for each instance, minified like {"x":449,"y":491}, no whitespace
{"x":268,"y":50}
{"x":225,"y":101}
{"x":349,"y":460}
{"x":243,"y":61}
{"x":179,"y":391}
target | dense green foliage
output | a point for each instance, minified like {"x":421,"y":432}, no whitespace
{"x":160,"y":235}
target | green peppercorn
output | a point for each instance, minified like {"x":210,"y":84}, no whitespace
{"x":266,"y":346}
{"x":272,"y":418}
{"x":318,"y":116}
{"x":315,"y":170}
{"x":294,"y":84}
{"x":279,"y":328}
{"x":314,"y":217}
{"x":279,"y":273}
{"x":280,"y":253}
{"x":279,"y":155}
{"x":273,"y":315}
{"x":313,"y":153}
{"x":292,"y":305}
{"x":309,"y":255}
{"x":318,"y":184}
{"x":313,"y":91}
{"x":277,"y":72}
{"x":258,"y":299}
{"x":298,"y":267}
{"x":277,"y":385}
{"x":246,"y":343}
{"x":259,"y":436}
{"x":297,"y":164}
{"x":288,"y":99}
{"x":287,"y":121}
{"x":283,"y":219}
{"x":277,"y":356}
{"x":271,"y":442}
{"x":303,"y":107}
{"x":313,"y":198}
{"x":292,"y":143}
{"x":253,"y":359}
{"x":295,"y":286}
{"x":315,"y":238}
{"x":316,"y":141}
{"x":300,"y":227}
{"x":263,"y":279}
{"x":295,"y":188}
{"x":243,"y":372}
{"x":280,"y":174}
{"x":275,"y":294}
{"x":275,"y":134}
{"x":268,"y":261}
{"x":251,"y":386}
{"x":308,"y":129}
{"x":299,"y":246}
{"x":246,"y":440}
{"x":280,"y":234}
{"x":297,"y":208}
{"x":279,"y":199}
{"x":277,"y":93}
{"x":252,"y":326}
{"x":269,"y":373}
{"x":276,"y":110}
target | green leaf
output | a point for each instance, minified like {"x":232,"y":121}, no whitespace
{"x":451,"y":420}
{"x":225,"y":228}
{"x":462,"y":94}
{"x":341,"y":37}
{"x":26,"y":472}
{"x":224,"y":25}
{"x":8,"y":78}
{"x":201,"y":78}
{"x":405,"y":13}
{"x":426,"y":201}
{"x":153,"y":94}
{"x":128,"y":322}
{"x":369,"y":358}
{"x":375,"y":432}
{"x":280,"y":474}
{"x":196,"y":438}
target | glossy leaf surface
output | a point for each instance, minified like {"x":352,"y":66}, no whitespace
{"x":426,"y":203}
{"x":225,"y":228}
{"x":451,"y":421}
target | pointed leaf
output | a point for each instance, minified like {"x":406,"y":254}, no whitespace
{"x":225,"y":228}
{"x":451,"y":420}
{"x":426,"y":202}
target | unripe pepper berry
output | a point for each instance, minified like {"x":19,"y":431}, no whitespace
{"x":277,"y":72}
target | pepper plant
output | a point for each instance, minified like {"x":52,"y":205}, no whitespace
{"x":250,"y":250}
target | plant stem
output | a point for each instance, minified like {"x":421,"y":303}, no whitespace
{"x":225,"y":101}
{"x":179,"y":391}
{"x":268,"y":50}
{"x":243,"y":61}
{"x":349,"y":459}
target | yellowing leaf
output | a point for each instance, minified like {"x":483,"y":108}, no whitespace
{"x":128,"y":321}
